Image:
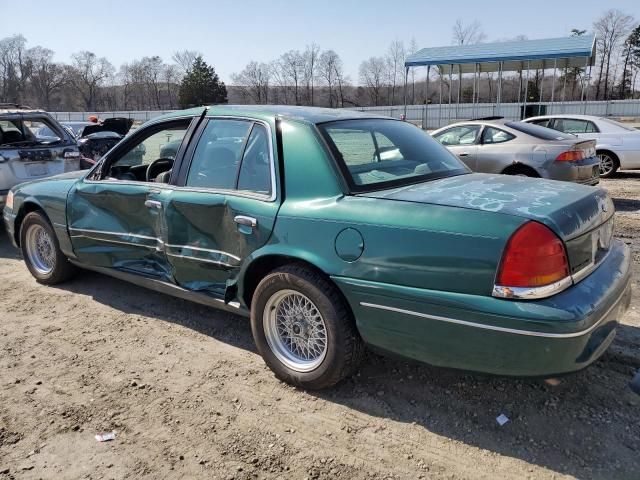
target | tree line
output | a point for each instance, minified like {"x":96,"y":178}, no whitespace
{"x":312,"y":76}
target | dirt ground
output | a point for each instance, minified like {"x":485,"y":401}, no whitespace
{"x":188,"y":396}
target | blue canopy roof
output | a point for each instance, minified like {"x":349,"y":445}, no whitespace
{"x":516,"y":55}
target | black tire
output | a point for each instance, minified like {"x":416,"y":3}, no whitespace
{"x":610,"y":159}
{"x":61,"y":269}
{"x":344,"y":347}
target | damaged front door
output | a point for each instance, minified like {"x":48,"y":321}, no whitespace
{"x":115,"y":215}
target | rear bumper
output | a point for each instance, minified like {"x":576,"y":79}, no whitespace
{"x":586,"y":172}
{"x":556,"y":335}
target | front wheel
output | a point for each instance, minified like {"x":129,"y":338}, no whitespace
{"x":41,"y":250}
{"x":608,"y":164}
{"x":303,"y":328}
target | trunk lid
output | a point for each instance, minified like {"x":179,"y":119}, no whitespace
{"x":580,"y":215}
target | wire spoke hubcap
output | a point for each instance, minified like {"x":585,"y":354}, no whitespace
{"x":40,"y":249}
{"x":295,"y":330}
{"x":606,"y":164}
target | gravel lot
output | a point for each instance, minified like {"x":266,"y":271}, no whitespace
{"x":188,"y":397}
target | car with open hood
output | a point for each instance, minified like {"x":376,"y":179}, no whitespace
{"x":334,"y":229}
{"x":33,"y":145}
{"x":96,"y":139}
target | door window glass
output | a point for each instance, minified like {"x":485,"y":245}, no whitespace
{"x":495,"y":135}
{"x":542,"y":123}
{"x":217,"y":157}
{"x":461,"y":135}
{"x":150,"y":148}
{"x":572,"y":125}
{"x":255,"y":172}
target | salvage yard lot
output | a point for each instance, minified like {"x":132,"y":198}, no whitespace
{"x":188,"y":396}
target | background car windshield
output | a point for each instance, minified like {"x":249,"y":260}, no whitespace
{"x":539,"y":132}
{"x":380,"y":153}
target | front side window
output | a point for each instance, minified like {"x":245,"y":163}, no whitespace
{"x":495,"y":135}
{"x":377,"y":153}
{"x":149,"y":149}
{"x":460,"y":135}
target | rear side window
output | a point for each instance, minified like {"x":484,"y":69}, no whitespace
{"x":232,"y":155}
{"x":496,"y":135}
{"x":217,"y":157}
{"x":542,"y":123}
{"x":573,"y":125}
{"x":538,"y":131}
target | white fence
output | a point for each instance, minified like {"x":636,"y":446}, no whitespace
{"x":436,"y":115}
{"x":439,"y":115}
{"x":136,"y":115}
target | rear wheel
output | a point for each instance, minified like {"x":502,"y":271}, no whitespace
{"x":41,"y":250}
{"x":608,"y":164}
{"x":303,"y":328}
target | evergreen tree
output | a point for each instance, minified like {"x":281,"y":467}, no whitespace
{"x":201,"y":86}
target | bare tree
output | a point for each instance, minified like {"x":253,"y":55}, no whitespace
{"x":171,"y":76}
{"x":293,"y":68}
{"x":610,"y":29}
{"x":328,"y":66}
{"x":468,"y":35}
{"x":47,"y":77}
{"x":395,"y":66}
{"x":372,"y":73}
{"x":413,"y":48}
{"x":15,"y":68}
{"x":87,"y":74}
{"x":311,"y":55}
{"x":253,"y":82}
{"x":185,"y":58}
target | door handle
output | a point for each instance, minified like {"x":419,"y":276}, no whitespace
{"x":152,"y":204}
{"x":244,"y":220}
{"x":463,"y":154}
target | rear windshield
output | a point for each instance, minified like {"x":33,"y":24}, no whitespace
{"x":537,"y":131}
{"x":617,"y":124}
{"x":377,"y":153}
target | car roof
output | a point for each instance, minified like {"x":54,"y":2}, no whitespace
{"x":266,"y":112}
{"x":487,"y":123}
{"x":6,"y":109}
{"x":570,"y":116}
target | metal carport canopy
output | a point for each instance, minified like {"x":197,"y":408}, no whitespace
{"x":514,"y":55}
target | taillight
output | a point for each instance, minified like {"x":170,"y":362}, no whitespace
{"x":534,"y":257}
{"x":571,"y":156}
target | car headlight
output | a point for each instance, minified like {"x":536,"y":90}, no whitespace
{"x":9,"y":202}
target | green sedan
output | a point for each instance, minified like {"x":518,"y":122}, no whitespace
{"x":333,"y":230}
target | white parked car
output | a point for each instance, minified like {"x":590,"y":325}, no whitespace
{"x":617,"y":145}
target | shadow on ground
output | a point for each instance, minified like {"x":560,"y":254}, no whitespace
{"x":586,"y":427}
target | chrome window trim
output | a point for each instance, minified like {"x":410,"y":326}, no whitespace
{"x":120,"y":242}
{"x":496,"y":328}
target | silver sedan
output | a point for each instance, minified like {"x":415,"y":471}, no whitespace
{"x":517,"y":148}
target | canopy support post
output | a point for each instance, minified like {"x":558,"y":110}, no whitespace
{"x":406,"y":79}
{"x":473,"y":96}
{"x":526,"y":92}
{"x":459,"y":89}
{"x":499,"y":93}
{"x":553,"y":80}
{"x":584,"y":80}
{"x":586,"y":94}
{"x":440,"y":102}
{"x":450,"y":85}
{"x":426,"y":100}
{"x":541,"y":93}
{"x":564,"y":85}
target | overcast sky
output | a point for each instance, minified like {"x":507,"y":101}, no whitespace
{"x":230,"y":34}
